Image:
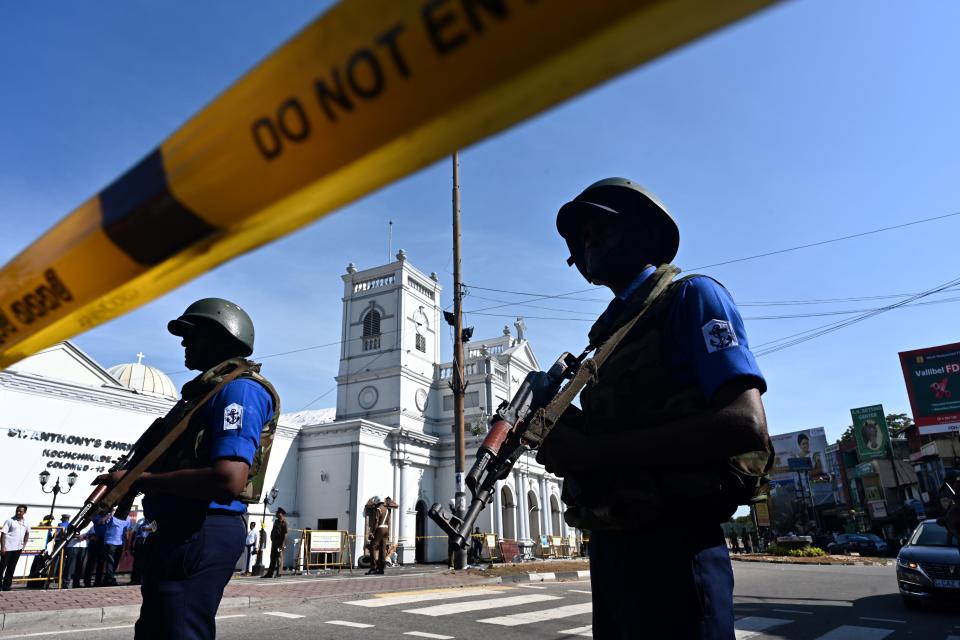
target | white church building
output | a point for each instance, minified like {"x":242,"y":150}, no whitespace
{"x":391,"y":433}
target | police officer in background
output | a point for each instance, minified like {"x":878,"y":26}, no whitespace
{"x":671,"y":413}
{"x":379,"y":531}
{"x":192,"y":493}
{"x":278,"y":540}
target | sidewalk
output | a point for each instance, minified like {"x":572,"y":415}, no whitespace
{"x":30,"y":610}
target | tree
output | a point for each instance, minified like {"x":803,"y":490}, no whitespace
{"x":898,"y":422}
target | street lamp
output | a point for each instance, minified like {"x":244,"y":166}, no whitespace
{"x":56,"y":489}
{"x":267,"y":501}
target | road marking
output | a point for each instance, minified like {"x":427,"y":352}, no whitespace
{"x":480,"y":605}
{"x":281,"y":614}
{"x":540,"y":616}
{"x":589,"y":593}
{"x":344,"y":623}
{"x":530,"y":586}
{"x":806,"y":613}
{"x":753,"y":626}
{"x":850,"y":632}
{"x":57,"y":633}
{"x":883,"y":620}
{"x":424,"y":634}
{"x":409,"y":598}
{"x":584,"y":632}
{"x":235,"y":615}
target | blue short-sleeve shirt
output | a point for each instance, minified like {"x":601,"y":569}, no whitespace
{"x":234,"y":417}
{"x":709,"y":341}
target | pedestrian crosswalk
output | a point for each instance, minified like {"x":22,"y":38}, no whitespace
{"x":565,"y":612}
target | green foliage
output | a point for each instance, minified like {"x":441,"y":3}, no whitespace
{"x":808,"y":552}
{"x":897,"y":422}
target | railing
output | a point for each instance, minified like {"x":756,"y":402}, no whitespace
{"x":484,"y":350}
{"x":371,"y":343}
{"x":375,"y":283}
{"x":420,"y":287}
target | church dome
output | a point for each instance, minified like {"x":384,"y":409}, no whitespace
{"x":144,"y":379}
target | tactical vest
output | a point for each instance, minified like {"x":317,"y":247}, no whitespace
{"x":635,"y":388}
{"x":192,"y":450}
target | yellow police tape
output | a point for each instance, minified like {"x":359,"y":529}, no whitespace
{"x":369,"y":92}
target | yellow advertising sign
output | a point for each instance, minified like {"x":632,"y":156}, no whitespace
{"x":368,"y":93}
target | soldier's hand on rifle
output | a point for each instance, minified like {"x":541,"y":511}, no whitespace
{"x":109,"y":479}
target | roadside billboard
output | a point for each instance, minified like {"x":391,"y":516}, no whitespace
{"x":800,"y":456}
{"x":932,"y":376}
{"x":870,"y":430}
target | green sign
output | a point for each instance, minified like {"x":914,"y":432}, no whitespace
{"x":870,"y":429}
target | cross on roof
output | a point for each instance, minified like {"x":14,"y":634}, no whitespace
{"x":140,"y":357}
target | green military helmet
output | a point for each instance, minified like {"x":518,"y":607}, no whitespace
{"x":618,"y":197}
{"x":226,"y":314}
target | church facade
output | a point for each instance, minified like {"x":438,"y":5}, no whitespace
{"x":392,"y":433}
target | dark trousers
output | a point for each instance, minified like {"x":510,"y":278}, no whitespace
{"x":251,"y":551}
{"x":8,"y":564}
{"x":109,"y":555}
{"x":685,"y":593}
{"x":93,"y":571}
{"x":184,"y":574}
{"x":136,"y":574}
{"x":73,"y":566}
{"x":276,"y":562}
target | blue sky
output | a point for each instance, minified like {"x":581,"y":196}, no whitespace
{"x":813,"y":120}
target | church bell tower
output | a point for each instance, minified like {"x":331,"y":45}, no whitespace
{"x":390,"y":344}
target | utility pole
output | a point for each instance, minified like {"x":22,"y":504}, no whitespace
{"x":460,"y":500}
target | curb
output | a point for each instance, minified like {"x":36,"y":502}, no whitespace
{"x":846,"y":563}
{"x":544,"y":577}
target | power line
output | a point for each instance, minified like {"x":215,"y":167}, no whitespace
{"x":829,"y":241}
{"x":790,"y":341}
{"x":809,"y":245}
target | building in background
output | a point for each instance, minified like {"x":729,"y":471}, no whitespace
{"x":392,"y":431}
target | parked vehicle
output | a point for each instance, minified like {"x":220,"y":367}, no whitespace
{"x":928,"y":566}
{"x":882,"y":547}
{"x":852,"y":543}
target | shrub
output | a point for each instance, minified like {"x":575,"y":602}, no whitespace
{"x":809,"y":552}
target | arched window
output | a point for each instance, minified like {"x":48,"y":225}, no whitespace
{"x":509,"y":512}
{"x":371,"y":330}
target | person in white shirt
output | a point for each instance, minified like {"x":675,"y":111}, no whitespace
{"x":13,"y":538}
{"x":251,"y":543}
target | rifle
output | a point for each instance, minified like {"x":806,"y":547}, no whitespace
{"x":149,"y":447}
{"x":524,"y":423}
{"x":515,"y":428}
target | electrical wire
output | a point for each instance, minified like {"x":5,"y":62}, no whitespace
{"x":811,"y":334}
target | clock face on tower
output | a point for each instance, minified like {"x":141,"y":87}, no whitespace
{"x":420,"y":397}
{"x":368,"y":397}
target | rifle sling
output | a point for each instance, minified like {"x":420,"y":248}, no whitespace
{"x":122,"y":488}
{"x":542,"y":422}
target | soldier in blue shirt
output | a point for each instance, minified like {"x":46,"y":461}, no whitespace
{"x":192,"y":492}
{"x":672,"y":434}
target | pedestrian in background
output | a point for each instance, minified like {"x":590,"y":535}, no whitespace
{"x":114,"y":534}
{"x":93,"y":572}
{"x":251,"y":543}
{"x":278,"y":540}
{"x":73,"y":562}
{"x":379,"y":527}
{"x":139,"y":534}
{"x":13,"y":538}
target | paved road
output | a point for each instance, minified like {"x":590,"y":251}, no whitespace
{"x":772,"y":602}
